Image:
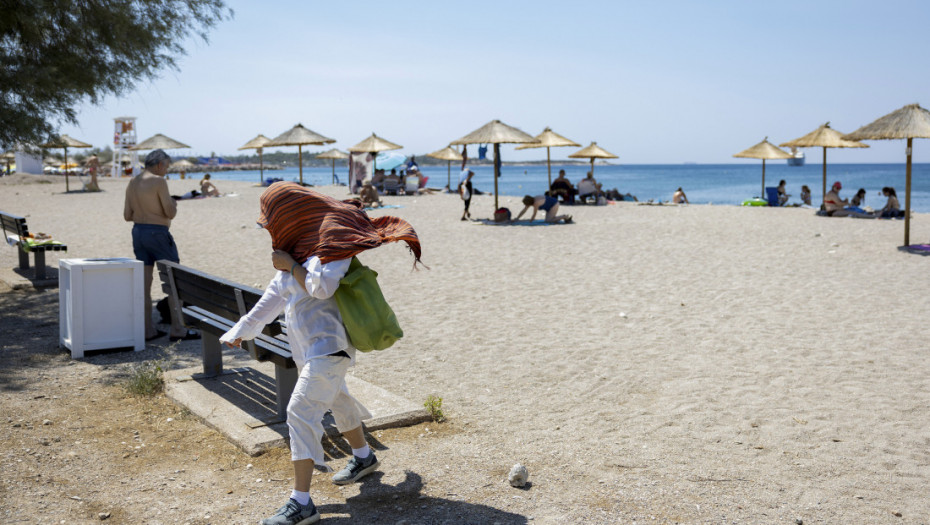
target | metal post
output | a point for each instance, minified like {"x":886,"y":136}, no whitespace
{"x":907,"y":196}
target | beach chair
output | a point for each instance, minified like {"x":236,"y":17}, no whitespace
{"x":771,"y":195}
{"x":391,"y":186}
{"x":411,"y":186}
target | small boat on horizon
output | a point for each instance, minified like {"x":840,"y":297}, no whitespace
{"x":797,"y":157}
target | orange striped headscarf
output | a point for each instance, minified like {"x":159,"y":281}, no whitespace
{"x":304,"y":223}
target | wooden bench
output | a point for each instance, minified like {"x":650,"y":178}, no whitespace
{"x":213,"y":305}
{"x":15,"y":230}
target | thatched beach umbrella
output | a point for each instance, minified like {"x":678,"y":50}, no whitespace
{"x":909,"y":122}
{"x":550,"y":139}
{"x":763,"y":150}
{"x":159,"y":141}
{"x":182,"y":165}
{"x":65,"y":142}
{"x":374,"y":144}
{"x":592,"y":152}
{"x":825,"y":137}
{"x":447,"y":154}
{"x":497,"y":133}
{"x":300,"y":136}
{"x":333,"y":154}
{"x":257,"y":144}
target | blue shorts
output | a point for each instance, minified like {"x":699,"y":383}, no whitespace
{"x":151,"y":242}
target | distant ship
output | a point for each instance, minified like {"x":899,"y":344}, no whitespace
{"x":797,"y":158}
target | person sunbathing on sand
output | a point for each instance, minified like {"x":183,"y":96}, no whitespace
{"x":207,"y":189}
{"x":369,"y":195}
{"x":679,"y":197}
{"x":548,"y":204}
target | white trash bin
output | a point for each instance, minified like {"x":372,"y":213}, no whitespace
{"x":101,"y":304}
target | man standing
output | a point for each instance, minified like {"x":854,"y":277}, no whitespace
{"x":151,"y":208}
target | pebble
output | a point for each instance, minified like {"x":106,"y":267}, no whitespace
{"x":47,"y":422}
{"x":518,"y":476}
{"x":799,"y":521}
{"x":248,"y":467}
{"x":103,"y":515}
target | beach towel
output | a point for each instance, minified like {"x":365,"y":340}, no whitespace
{"x":491,"y":222}
{"x":918,"y":249}
{"x":385,"y":207}
{"x":305,"y":223}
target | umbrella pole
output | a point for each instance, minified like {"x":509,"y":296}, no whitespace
{"x":823,"y":188}
{"x":549,"y":166}
{"x":497,"y":171}
{"x":300,"y":162}
{"x":334,"y":171}
{"x":763,"y":179}
{"x":592,"y":167}
{"x":449,"y":176}
{"x":261,"y":167}
{"x":67,"y":187}
{"x":907,"y":196}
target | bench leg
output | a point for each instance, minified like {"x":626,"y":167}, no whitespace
{"x":23,"y":259}
{"x":212,"y":354}
{"x":284,"y":381}
{"x":40,"y":265}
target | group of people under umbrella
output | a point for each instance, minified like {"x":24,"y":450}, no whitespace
{"x":909,"y":122}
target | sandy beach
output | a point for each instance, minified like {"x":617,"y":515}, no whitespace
{"x":648,"y":364}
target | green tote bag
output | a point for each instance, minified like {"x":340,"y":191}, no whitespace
{"x":368,"y":318}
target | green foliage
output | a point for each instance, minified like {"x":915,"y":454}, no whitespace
{"x":54,"y":54}
{"x":146,"y":379}
{"x":433,"y":404}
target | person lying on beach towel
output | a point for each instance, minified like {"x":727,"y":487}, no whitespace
{"x":548,"y":204}
{"x":369,"y":196}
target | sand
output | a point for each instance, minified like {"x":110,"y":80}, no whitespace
{"x":656,"y":364}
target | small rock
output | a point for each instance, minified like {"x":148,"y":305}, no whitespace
{"x":896,"y":513}
{"x":518,"y":476}
{"x":170,"y":419}
{"x":47,"y":422}
{"x":103,"y":515}
{"x":799,"y":521}
{"x":248,"y":467}
{"x":17,"y":425}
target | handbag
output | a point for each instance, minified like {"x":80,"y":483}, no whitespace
{"x":369,"y":320}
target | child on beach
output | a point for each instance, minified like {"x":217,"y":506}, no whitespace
{"x":315,"y":237}
{"x":806,"y":195}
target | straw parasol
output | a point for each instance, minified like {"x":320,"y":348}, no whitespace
{"x":374,"y":144}
{"x":592,"y":152}
{"x":550,"y":139}
{"x":764,"y":150}
{"x":159,"y":141}
{"x":909,"y":122}
{"x":257,"y":144}
{"x":300,"y":136}
{"x":497,"y":133}
{"x":448,"y":154}
{"x":825,"y":137}
{"x":335,"y":155}
{"x":182,"y":165}
{"x":64,"y":141}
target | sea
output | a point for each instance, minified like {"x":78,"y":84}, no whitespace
{"x":718,"y":184}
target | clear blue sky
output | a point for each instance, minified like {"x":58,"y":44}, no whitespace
{"x":653,"y":82}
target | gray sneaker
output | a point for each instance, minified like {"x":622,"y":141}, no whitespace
{"x":356,"y":469}
{"x":293,"y":513}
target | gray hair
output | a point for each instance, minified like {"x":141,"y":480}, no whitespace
{"x":155,"y":158}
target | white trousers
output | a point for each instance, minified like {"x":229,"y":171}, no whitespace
{"x":321,"y":387}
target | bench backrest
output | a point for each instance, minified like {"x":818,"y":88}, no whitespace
{"x":13,"y":224}
{"x":214,"y":294}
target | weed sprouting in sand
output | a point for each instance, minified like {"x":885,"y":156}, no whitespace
{"x":434,"y":405}
{"x":146,"y":379}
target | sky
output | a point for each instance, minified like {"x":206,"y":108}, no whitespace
{"x":659,"y":82}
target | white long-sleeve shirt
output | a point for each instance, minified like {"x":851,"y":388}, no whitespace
{"x":314,"y":325}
